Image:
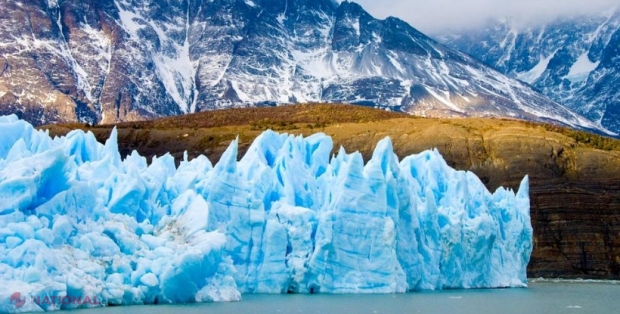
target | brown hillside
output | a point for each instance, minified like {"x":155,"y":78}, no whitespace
{"x":574,"y":176}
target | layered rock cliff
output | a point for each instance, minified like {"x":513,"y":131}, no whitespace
{"x":574,"y":176}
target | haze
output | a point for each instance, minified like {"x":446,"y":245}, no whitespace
{"x":435,"y":16}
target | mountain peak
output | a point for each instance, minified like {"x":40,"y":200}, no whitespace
{"x":112,"y":60}
{"x":572,"y":60}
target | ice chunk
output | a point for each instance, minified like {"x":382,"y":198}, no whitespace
{"x":192,"y":212}
{"x":149,"y":280}
{"x":76,"y":219}
{"x":30,"y":182}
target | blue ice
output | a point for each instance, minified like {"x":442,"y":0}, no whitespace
{"x":76,"y":219}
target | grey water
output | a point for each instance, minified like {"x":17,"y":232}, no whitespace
{"x":546,"y":296}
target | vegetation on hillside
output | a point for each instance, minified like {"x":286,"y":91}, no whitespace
{"x":204,"y":132}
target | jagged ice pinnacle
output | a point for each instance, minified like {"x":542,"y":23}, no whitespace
{"x":76,"y":219}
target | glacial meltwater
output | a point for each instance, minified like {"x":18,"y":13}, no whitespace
{"x":545,"y":296}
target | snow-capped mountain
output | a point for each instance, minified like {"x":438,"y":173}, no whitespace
{"x":573,"y":60}
{"x":116,"y":60}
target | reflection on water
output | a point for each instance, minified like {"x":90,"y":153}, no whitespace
{"x":543,"y":296}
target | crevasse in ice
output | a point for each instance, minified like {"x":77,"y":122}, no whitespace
{"x":75,"y":219}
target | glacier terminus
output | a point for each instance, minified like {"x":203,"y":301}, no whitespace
{"x":287,"y":217}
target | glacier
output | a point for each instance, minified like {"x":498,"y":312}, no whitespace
{"x":288,"y":217}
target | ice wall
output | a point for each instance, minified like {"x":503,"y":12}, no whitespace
{"x":77,"y":220}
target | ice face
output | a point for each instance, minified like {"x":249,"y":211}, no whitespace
{"x":77,"y":220}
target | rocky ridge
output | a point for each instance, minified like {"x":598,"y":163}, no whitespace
{"x":108,"y":61}
{"x":573,"y":60}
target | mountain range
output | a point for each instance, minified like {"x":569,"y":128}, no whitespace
{"x":574,"y":60}
{"x":106,"y":61}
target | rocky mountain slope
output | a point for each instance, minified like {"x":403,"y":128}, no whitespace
{"x":103,"y":61}
{"x":574,"y":175}
{"x":573,"y":60}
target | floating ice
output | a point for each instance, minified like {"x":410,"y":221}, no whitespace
{"x":76,"y":220}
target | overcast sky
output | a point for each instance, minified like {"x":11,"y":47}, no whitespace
{"x":433,"y":16}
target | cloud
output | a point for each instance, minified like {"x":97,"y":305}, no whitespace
{"x":433,"y":16}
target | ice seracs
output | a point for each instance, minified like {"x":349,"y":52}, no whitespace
{"x":76,"y":219}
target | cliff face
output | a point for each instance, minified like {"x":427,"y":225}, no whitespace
{"x":575,"y":193}
{"x":574,"y":176}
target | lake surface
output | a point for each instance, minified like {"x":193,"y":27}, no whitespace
{"x":546,"y":296}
